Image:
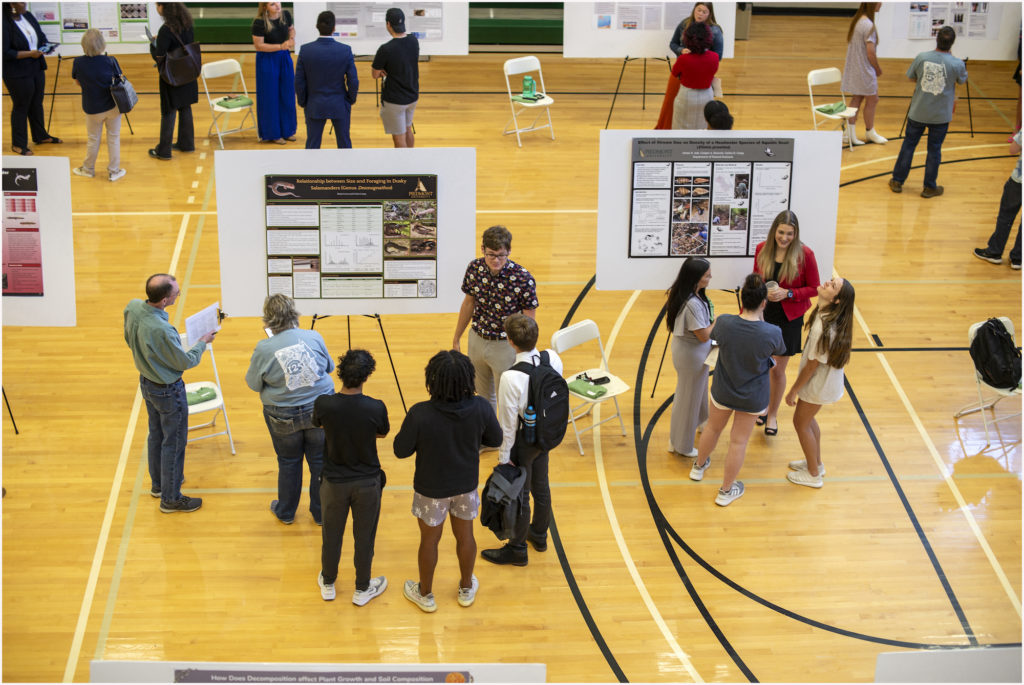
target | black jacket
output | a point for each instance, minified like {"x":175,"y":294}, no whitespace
{"x":504,"y":498}
{"x":15,"y":42}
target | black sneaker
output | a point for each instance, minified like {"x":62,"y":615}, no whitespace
{"x":539,"y":543}
{"x":184,"y":504}
{"x":988,"y":256}
{"x":505,"y":555}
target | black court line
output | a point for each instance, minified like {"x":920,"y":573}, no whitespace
{"x":921,"y":166}
{"x":664,"y":528}
{"x":563,"y":560}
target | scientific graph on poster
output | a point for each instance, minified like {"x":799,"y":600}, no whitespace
{"x":337,"y":237}
{"x":718,"y":198}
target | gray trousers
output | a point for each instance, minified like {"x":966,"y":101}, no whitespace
{"x":336,"y":499}
{"x":490,"y":358}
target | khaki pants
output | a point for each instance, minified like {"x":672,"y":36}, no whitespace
{"x":490,"y":358}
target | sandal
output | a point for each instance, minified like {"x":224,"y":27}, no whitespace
{"x":771,"y":431}
{"x":290,"y":139}
{"x":761,"y":420}
{"x":54,"y":140}
{"x":23,"y":151}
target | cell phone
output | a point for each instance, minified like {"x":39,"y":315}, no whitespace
{"x":600,"y":381}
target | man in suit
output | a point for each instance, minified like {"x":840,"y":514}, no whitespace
{"x":326,"y":84}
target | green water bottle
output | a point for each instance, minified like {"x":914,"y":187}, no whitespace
{"x":529,"y":87}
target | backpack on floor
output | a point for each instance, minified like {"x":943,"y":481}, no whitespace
{"x":549,"y":396}
{"x":995,"y":355}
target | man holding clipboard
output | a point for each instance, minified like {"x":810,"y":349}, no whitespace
{"x":161,"y":359}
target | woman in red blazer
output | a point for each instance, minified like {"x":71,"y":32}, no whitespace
{"x":784,"y":259}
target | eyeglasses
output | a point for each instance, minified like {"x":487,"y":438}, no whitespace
{"x":495,"y":255}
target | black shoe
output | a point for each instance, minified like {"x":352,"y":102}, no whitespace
{"x":505,"y":555}
{"x":989,"y":257}
{"x":184,"y":504}
{"x":539,"y":544}
{"x":153,"y":153}
{"x":273,"y":510}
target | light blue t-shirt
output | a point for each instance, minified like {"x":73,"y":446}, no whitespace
{"x":291,"y":369}
{"x":937,"y":74}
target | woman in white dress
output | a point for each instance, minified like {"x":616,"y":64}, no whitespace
{"x":690,"y":317}
{"x":860,"y":75}
{"x":820,"y":380}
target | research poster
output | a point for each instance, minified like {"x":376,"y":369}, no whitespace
{"x":119,"y":22}
{"x":970,"y":19}
{"x":22,"y":242}
{"x":425,"y":20}
{"x":341,"y":237}
{"x":640,"y":16}
{"x":706,"y":197}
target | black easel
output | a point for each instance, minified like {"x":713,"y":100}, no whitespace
{"x":383,"y":335}
{"x":970,"y":114}
{"x":9,"y":413}
{"x":643,"y":105}
{"x":53,"y":95}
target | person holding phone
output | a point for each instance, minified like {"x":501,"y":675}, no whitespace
{"x":24,"y":76}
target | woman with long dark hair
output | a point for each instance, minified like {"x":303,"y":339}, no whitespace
{"x":689,"y":315}
{"x":273,"y":36}
{"x":740,"y":386}
{"x":695,"y":68}
{"x":23,"y":73}
{"x":446,"y":433}
{"x":820,"y":380}
{"x":791,"y":265}
{"x":175,"y":101}
{"x":861,"y":72}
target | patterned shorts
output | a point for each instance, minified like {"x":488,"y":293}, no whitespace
{"x":433,"y":512}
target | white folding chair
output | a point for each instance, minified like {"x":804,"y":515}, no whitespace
{"x":983,"y":405}
{"x":215,"y":405}
{"x":516,"y":67}
{"x":824,"y":77}
{"x":220,"y":69}
{"x":570,"y":337}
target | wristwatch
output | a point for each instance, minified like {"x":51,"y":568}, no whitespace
{"x":789,"y":294}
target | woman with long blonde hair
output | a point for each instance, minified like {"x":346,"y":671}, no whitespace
{"x":791,"y":265}
{"x":861,"y":72}
{"x":820,"y":380}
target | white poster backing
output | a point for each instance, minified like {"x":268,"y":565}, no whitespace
{"x":985,"y":30}
{"x":441,"y":27}
{"x":242,"y":228}
{"x":813,"y":197}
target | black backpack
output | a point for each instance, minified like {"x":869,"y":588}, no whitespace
{"x":995,"y":355}
{"x":549,"y":396}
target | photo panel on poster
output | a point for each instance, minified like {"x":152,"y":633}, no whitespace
{"x":667,"y":195}
{"x":367,"y":231}
{"x":123,"y":24}
{"x":442,"y":28}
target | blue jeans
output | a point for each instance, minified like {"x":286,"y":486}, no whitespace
{"x":168,"y":433}
{"x":936,"y":134}
{"x":1009,"y":208}
{"x":293,"y":434}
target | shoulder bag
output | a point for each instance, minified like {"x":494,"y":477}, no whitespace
{"x":122,"y":91}
{"x":180,"y":65}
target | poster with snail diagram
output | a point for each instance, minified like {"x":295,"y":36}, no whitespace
{"x":342,"y":237}
{"x":706,"y":198}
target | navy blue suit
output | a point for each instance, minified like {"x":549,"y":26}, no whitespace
{"x":326,"y":85}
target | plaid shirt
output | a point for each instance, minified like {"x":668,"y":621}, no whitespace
{"x":498,"y":297}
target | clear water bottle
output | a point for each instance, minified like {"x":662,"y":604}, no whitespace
{"x":530,"y":425}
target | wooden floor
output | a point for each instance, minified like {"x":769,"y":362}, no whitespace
{"x":914,"y":542}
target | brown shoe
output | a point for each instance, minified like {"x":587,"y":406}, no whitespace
{"x":932,"y":192}
{"x":895,"y":186}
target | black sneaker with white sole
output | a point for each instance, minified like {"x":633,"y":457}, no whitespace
{"x":988,"y":256}
{"x":184,"y":504}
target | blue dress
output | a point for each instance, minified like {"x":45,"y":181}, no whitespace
{"x":275,"y":81}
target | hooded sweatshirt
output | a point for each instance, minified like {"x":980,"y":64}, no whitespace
{"x":446,"y":438}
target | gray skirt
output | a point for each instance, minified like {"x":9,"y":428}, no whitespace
{"x":688,"y":112}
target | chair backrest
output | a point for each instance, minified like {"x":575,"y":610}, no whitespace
{"x":821,"y":77}
{"x":521,"y":65}
{"x":209,"y":350}
{"x":224,"y":67}
{"x":973,"y":330}
{"x":577,"y":334}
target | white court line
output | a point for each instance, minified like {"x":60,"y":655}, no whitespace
{"x":167,"y":213}
{"x":108,"y":515}
{"x":943,"y":469}
{"x":613,"y":520}
{"x":923,"y":152}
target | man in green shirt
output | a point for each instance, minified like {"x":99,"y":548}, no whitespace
{"x":160,"y":359}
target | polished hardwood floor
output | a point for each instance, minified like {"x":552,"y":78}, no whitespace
{"x":914,"y":542}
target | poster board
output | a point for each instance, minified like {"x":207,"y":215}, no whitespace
{"x":749,"y":176}
{"x":123,"y":24}
{"x":367,"y":231}
{"x":985,"y":30}
{"x":633,"y":29}
{"x":442,"y":28}
{"x":38,"y":242}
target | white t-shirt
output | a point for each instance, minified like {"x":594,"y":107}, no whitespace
{"x":826,"y":385}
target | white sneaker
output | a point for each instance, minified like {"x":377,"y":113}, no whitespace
{"x":377,"y":586}
{"x":697,"y":472}
{"x":82,"y":171}
{"x":801,"y":465}
{"x":468,"y":594}
{"x":117,"y":175}
{"x":874,"y":137}
{"x":326,"y":590}
{"x":804,"y":478}
{"x":424,"y":602}
{"x":724,"y":499}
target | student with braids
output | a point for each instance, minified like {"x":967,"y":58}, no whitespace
{"x":820,"y":380}
{"x":446,"y":432}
